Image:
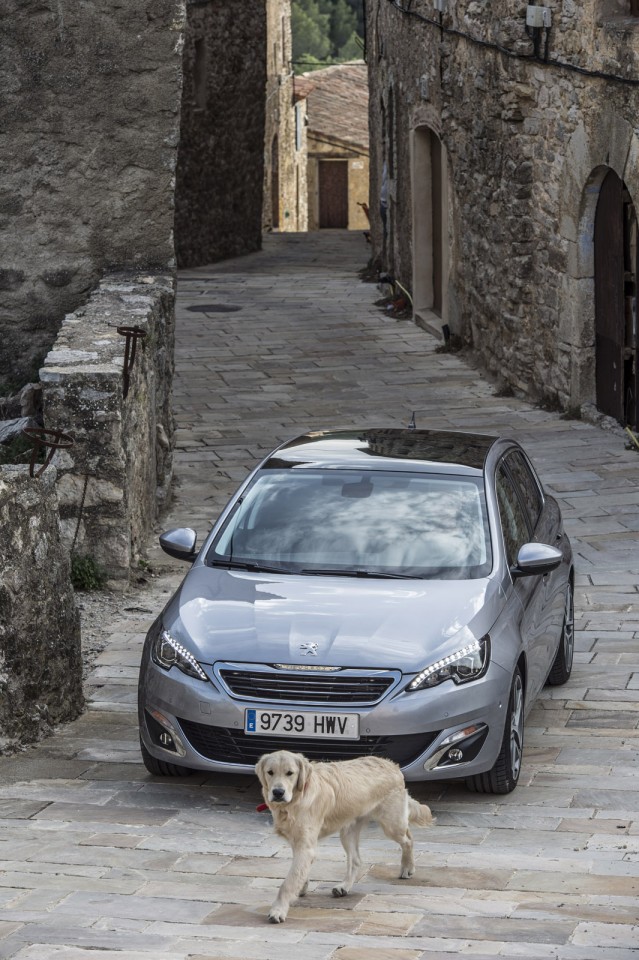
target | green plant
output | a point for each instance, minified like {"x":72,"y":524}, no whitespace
{"x":86,"y":574}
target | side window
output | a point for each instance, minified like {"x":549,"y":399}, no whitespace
{"x":528,"y":486}
{"x":513,"y":519}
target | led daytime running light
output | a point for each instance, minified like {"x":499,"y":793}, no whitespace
{"x":181,"y":651}
{"x":473,"y":647}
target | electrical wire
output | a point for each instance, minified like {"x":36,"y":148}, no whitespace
{"x":632,"y":437}
{"x":512,"y":54}
{"x":332,"y":143}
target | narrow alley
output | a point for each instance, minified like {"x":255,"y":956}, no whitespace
{"x":98,"y":859}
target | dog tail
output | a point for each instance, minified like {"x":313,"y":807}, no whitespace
{"x":419,"y":814}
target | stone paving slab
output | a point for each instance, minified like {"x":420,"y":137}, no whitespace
{"x":100,"y":861}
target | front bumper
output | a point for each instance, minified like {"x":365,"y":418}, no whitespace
{"x":417,"y":730}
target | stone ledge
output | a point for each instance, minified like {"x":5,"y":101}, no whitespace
{"x":114,"y":480}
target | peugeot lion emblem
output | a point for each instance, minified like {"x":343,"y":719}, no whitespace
{"x":309,"y":649}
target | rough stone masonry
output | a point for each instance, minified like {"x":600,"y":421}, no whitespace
{"x":529,"y":126}
{"x":40,"y":661}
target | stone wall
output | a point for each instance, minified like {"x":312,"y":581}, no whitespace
{"x":114,"y":480}
{"x":40,"y":658}
{"x":525,"y":146}
{"x":88,"y":140}
{"x":218,"y":200}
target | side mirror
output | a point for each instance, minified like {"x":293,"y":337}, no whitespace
{"x":536,"y":559}
{"x":180,"y":543}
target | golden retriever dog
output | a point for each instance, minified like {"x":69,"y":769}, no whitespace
{"x":309,"y":801}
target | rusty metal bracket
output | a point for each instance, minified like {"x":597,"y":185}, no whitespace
{"x":50,"y":439}
{"x":132,"y":334}
{"x":80,"y":511}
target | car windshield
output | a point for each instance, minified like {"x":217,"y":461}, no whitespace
{"x":358,"y":523}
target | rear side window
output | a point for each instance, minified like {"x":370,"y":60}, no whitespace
{"x":526,"y":484}
{"x":513,"y":519}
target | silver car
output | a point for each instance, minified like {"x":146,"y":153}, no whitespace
{"x":393,"y":592}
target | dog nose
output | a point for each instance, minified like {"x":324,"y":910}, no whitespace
{"x":278,"y":793}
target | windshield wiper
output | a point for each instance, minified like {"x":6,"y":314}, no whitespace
{"x":370,"y":574}
{"x":251,"y":565}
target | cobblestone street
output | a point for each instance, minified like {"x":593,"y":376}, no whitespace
{"x":100,"y":860}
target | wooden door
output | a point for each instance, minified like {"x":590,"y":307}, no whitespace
{"x":275,"y":184}
{"x":333,"y":193}
{"x":631,"y":345}
{"x":609,"y":298}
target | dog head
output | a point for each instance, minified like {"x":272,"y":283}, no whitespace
{"x":283,"y":775}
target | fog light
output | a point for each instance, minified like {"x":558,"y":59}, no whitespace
{"x":447,"y":752}
{"x":163,"y":733}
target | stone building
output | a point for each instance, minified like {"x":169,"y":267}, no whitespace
{"x":285,"y":203}
{"x":102,"y":102}
{"x":130,"y":132}
{"x":337,"y":171}
{"x":512,"y":153}
{"x":89,"y":132}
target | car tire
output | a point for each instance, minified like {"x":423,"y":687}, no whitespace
{"x":161,"y":768}
{"x":562,"y":665}
{"x":504,"y":775}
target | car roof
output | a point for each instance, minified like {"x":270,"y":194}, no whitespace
{"x":441,"y":451}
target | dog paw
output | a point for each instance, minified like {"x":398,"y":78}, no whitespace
{"x":277,"y":916}
{"x":340,"y":891}
{"x":407,"y":873}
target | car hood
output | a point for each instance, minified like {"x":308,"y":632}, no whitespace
{"x":391,"y":624}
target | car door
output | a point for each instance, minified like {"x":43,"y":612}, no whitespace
{"x":545,"y":520}
{"x":516,"y":529}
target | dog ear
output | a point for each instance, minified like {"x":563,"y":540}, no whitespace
{"x":259,"y":768}
{"x":303,"y":770}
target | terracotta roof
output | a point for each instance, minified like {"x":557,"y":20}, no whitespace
{"x":338,"y":102}
{"x":301,"y":88}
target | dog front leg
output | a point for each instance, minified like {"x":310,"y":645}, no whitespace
{"x":295,"y":883}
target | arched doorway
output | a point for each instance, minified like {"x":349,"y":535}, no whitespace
{"x":615,"y":242}
{"x":430,"y":228}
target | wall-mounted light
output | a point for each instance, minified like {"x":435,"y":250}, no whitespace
{"x":538,"y":19}
{"x":537,"y":16}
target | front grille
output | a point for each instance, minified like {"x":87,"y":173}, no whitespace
{"x":284,"y":687}
{"x":234,"y":746}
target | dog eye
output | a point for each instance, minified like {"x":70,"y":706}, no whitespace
{"x":289,"y":773}
{"x":269,"y":773}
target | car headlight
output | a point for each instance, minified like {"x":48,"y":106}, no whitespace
{"x":469,"y":663}
{"x":167,"y":653}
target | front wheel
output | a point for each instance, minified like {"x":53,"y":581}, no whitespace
{"x":504,"y":775}
{"x":562,"y":665}
{"x":161,"y":768}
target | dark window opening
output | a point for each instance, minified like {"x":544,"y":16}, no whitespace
{"x":200,"y":70}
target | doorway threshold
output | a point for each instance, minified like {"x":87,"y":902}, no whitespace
{"x":429,"y":321}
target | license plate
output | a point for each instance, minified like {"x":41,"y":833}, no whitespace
{"x":283,"y":723}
